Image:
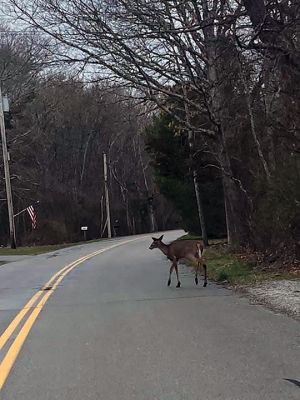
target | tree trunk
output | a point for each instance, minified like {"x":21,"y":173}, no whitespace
{"x":200,"y":209}
{"x":152,"y":218}
{"x":194,"y":173}
{"x":256,"y":10}
{"x":234,"y":194}
{"x":231,"y":194}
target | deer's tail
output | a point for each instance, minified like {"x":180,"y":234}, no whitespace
{"x":200,"y":249}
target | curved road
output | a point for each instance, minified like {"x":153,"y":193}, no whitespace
{"x":110,"y":329}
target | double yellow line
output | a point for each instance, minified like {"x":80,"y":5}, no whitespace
{"x":43,"y":296}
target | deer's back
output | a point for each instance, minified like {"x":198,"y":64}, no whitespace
{"x":183,"y":248}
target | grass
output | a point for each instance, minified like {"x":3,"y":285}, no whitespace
{"x":35,"y":250}
{"x":189,"y":236}
{"x":224,"y":266}
{"x":31,"y":251}
{"x":227,"y":267}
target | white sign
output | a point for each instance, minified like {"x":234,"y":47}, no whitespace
{"x":5,"y":103}
{"x":84,"y":228}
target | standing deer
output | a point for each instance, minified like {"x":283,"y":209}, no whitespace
{"x":191,"y":250}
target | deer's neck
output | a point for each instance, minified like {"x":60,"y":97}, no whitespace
{"x":164,"y":248}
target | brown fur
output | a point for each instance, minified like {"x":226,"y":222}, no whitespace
{"x":191,"y":250}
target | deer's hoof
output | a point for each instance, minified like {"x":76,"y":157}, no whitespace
{"x":169,"y":282}
{"x":178,"y":285}
{"x":205,"y":284}
{"x":196,"y":281}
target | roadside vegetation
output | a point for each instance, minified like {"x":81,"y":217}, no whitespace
{"x":35,"y":250}
{"x":227,"y":266}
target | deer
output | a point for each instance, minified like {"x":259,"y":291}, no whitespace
{"x":191,"y":250}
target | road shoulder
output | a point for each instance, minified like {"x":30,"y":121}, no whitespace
{"x":280,"y":296}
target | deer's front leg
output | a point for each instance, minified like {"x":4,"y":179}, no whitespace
{"x":176,"y":270}
{"x":170,"y":274}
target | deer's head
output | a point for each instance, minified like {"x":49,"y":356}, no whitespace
{"x":156,"y":244}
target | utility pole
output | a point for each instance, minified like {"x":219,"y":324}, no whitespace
{"x":106,"y":196}
{"x":12,"y":231}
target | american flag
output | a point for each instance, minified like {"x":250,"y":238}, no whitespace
{"x":32,"y":215}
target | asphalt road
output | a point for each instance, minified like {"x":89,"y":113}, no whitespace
{"x":113,"y":330}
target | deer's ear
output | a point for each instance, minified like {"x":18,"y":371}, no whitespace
{"x":161,"y":238}
{"x":154,"y":239}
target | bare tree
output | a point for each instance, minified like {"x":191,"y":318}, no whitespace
{"x":155,"y":48}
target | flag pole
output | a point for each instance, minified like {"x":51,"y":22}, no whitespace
{"x":20,"y":212}
{"x":24,"y":209}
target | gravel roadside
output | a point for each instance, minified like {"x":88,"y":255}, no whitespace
{"x":281,"y":296}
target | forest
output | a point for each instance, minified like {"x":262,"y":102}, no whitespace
{"x":196,"y":103}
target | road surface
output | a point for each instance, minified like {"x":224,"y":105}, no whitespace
{"x":110,"y":329}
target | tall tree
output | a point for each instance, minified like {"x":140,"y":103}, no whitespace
{"x":239,"y":61}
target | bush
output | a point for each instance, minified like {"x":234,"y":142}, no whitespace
{"x":49,"y":232}
{"x":277,"y":215}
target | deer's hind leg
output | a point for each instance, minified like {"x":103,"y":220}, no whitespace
{"x":196,"y":273}
{"x":205,"y":275}
{"x":199,"y":263}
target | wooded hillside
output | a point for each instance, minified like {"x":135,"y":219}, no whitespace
{"x":226,"y":74}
